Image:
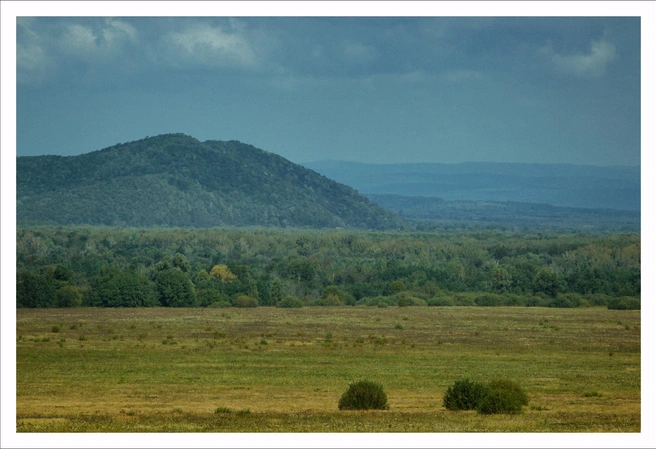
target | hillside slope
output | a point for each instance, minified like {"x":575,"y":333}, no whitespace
{"x":176,"y":180}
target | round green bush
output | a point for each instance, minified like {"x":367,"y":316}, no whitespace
{"x":464,"y":394}
{"x":364,"y":395}
{"x":498,"y":396}
{"x":504,"y":396}
{"x":440,"y":301}
{"x":245,"y":301}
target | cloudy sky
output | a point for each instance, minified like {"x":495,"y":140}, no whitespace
{"x":367,"y":89}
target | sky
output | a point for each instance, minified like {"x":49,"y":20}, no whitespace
{"x":387,"y":89}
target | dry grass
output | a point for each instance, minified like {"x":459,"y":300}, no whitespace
{"x":127,"y":370}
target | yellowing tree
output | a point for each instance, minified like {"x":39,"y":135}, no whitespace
{"x":222,"y":272}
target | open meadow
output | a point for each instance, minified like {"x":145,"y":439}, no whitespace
{"x":269,"y":369}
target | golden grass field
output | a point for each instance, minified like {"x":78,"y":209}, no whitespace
{"x":283,"y":370}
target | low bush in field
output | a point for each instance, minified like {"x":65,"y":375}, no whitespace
{"x":537,"y":301}
{"x":567,"y":300}
{"x":511,"y":299}
{"x":624,"y":303}
{"x":499,"y":396}
{"x":440,"y":301}
{"x":503,"y":396}
{"x":384,"y":301}
{"x":364,"y":395}
{"x":403,"y":299}
{"x":464,"y":299}
{"x":329,"y":300}
{"x":245,"y":301}
{"x":464,"y":395}
{"x":489,"y":300}
{"x":597,"y":299}
{"x":290,"y":302}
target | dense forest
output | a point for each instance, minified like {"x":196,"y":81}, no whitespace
{"x":67,"y":266}
{"x":429,"y":212}
{"x":175,"y":180}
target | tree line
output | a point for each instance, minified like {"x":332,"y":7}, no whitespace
{"x":126,"y":267}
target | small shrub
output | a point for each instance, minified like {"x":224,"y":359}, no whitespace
{"x":566,"y":300}
{"x":497,"y":401}
{"x":398,"y":326}
{"x":245,"y":301}
{"x":329,"y":300}
{"x":505,"y":396}
{"x":536,"y":301}
{"x":512,"y":300}
{"x":463,"y":300}
{"x":597,"y":299}
{"x":489,"y":300}
{"x":624,"y":303}
{"x":499,"y":396}
{"x":364,"y":395}
{"x":290,"y":302}
{"x":465,"y":394}
{"x":441,"y":301}
{"x":403,"y":299}
{"x":222,"y":410}
{"x":55,"y":329}
{"x":219,"y":305}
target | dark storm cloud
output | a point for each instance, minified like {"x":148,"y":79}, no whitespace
{"x":444,"y":89}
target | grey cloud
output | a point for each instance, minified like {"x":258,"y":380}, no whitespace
{"x":85,"y":42}
{"x":207,"y":45}
{"x":592,"y":64}
{"x":44,"y":47}
{"x":32,"y":61}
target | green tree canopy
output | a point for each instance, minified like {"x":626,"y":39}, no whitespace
{"x":175,"y":289}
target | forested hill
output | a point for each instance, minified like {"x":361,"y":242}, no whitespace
{"x":176,"y":180}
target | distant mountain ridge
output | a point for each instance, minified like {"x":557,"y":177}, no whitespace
{"x":580,"y":186}
{"x":176,"y":180}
